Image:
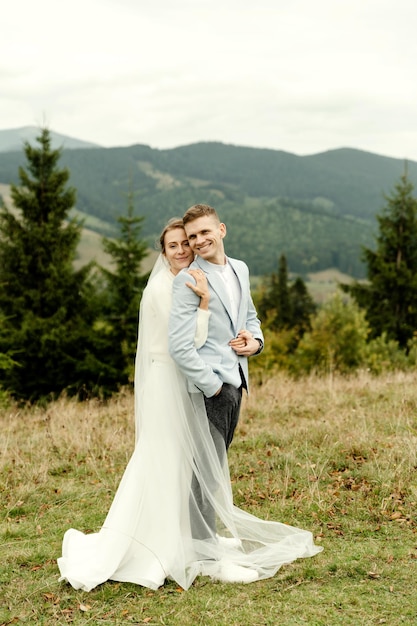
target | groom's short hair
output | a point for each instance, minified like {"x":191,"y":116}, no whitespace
{"x":199,"y":210}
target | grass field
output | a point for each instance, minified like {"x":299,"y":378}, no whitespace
{"x":337,"y":456}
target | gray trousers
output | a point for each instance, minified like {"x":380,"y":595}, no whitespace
{"x":223,"y":415}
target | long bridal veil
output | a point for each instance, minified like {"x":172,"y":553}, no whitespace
{"x":155,"y":529}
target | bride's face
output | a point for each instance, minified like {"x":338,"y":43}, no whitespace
{"x":177,"y":250}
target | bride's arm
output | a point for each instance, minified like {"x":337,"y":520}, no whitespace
{"x":201,"y":289}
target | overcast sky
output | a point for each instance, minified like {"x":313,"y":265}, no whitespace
{"x":297,"y":75}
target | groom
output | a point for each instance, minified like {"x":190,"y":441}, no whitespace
{"x":219,"y":369}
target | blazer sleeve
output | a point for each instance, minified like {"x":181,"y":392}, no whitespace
{"x":181,"y":334}
{"x":253,"y":323}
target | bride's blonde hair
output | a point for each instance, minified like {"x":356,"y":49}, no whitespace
{"x":174,"y":222}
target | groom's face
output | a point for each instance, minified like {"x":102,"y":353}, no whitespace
{"x":205,"y":235}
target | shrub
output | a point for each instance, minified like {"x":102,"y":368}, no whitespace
{"x":337,"y":340}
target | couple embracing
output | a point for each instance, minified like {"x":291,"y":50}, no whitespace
{"x":173,"y":515}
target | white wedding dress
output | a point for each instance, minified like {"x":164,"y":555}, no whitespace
{"x":147,"y":534}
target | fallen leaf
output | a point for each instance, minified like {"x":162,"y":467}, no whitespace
{"x":396,"y":515}
{"x":48,"y":596}
{"x":84,"y":607}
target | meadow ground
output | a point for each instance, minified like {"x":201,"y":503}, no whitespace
{"x":334,"y":455}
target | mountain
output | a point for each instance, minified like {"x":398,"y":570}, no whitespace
{"x":318,"y":210}
{"x":13,"y":139}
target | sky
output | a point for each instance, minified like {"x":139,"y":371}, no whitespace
{"x":296,"y":75}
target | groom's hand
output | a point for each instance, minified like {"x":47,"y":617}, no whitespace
{"x":244,"y":344}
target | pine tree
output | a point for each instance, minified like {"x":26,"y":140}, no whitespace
{"x":274,"y":306}
{"x":124,"y":288}
{"x":283,"y":316}
{"x":390,"y":295}
{"x":6,"y":360}
{"x":302,"y":306}
{"x":44,"y":301}
{"x":286,"y":305}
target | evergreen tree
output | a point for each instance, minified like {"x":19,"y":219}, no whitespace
{"x":283,"y":318}
{"x":390,"y":295}
{"x":284,"y":305}
{"x":124,"y":288}
{"x":44,"y":302}
{"x":274,"y":305}
{"x":302,"y":306}
{"x":265,"y":298}
{"x":6,"y":360}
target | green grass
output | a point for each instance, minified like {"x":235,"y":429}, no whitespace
{"x":337,"y":456}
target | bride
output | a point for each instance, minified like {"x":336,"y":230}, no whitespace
{"x":147,"y":535}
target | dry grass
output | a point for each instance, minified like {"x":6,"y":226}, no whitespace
{"x":335,"y":455}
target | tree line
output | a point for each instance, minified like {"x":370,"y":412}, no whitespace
{"x":63,"y":329}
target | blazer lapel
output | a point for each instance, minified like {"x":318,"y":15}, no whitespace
{"x":241,"y":317}
{"x":216,"y":282}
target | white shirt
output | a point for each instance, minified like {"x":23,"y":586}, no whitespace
{"x":232,"y":285}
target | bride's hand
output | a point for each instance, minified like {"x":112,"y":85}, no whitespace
{"x":200,"y":287}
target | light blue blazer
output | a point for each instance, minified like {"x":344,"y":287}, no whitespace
{"x":215,"y":363}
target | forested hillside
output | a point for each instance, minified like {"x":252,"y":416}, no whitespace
{"x":318,"y":210}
